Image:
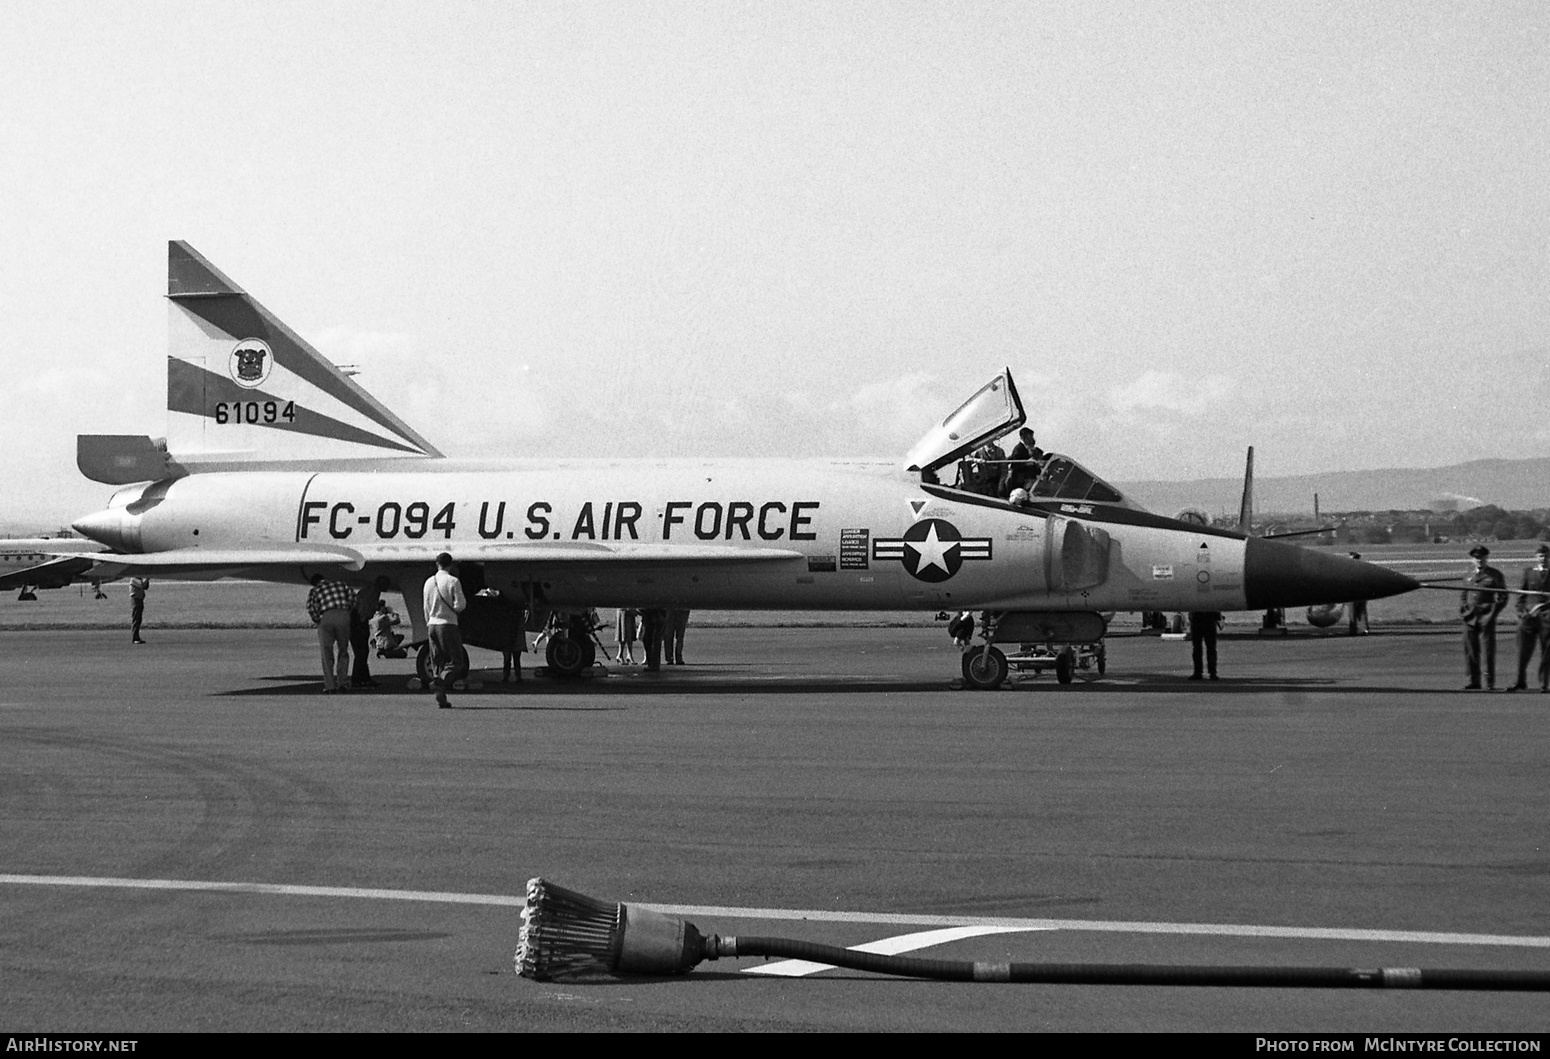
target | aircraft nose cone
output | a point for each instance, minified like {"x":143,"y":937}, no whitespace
{"x":1286,"y":575}
{"x":106,"y":527}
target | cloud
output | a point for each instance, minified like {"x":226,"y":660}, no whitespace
{"x":879,"y":418}
{"x":63,"y":381}
{"x":1170,"y":392}
{"x":486,"y":409}
{"x":346,"y":345}
{"x":914,"y":398}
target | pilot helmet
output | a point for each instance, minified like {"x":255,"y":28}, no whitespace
{"x":1019,"y":496}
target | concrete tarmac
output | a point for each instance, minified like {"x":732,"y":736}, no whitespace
{"x":193,"y":838}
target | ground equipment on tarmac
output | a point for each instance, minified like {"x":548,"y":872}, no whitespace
{"x":1064,"y":658}
{"x":1064,"y":641}
{"x":567,"y":935}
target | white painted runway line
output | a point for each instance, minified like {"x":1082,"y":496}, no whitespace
{"x":274,"y":889}
{"x":1228,"y":930}
{"x":885,"y":947}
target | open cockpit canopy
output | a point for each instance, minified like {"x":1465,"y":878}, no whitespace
{"x":993,"y":412}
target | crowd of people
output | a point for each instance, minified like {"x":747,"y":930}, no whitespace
{"x":353,"y":623}
{"x":659,"y":631}
{"x":360,"y":623}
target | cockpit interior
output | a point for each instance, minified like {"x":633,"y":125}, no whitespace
{"x":964,"y":453}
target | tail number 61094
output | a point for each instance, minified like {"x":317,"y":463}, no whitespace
{"x":255,"y":412}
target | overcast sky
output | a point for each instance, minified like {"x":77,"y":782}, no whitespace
{"x":799,"y":228}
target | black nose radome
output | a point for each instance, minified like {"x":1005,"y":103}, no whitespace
{"x":1287,"y":575}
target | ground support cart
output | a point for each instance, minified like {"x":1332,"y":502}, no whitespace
{"x":1065,"y":642}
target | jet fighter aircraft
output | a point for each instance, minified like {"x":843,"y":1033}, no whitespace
{"x":277,"y":465}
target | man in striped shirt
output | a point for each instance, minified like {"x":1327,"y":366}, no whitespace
{"x":328,"y":605}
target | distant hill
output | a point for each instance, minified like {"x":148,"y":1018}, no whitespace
{"x":1517,"y":485}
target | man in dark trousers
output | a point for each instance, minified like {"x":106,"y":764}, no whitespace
{"x":443,"y":600}
{"x":1202,"y":633}
{"x":1534,"y":621}
{"x":652,"y":620}
{"x":137,"y":588}
{"x":1478,"y":607}
{"x":675,"y":623}
{"x":1358,"y":610}
{"x":361,"y":613}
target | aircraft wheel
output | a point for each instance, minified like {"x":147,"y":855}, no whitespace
{"x":1065,"y":666}
{"x":422,"y":663}
{"x":567,"y":657}
{"x":588,"y":653}
{"x":1102,"y":659}
{"x":984,"y":669}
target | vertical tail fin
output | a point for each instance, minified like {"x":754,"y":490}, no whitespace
{"x":1246,"y":507}
{"x":243,"y":388}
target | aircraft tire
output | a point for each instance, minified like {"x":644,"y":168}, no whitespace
{"x":984,"y":670}
{"x":1102,"y":659}
{"x":568,"y":657}
{"x":1065,"y":666}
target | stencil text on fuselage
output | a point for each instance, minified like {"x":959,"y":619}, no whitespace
{"x":608,"y":520}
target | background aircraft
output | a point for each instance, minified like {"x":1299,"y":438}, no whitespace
{"x":1319,"y":615}
{"x":277,"y":465}
{"x":29,"y":563}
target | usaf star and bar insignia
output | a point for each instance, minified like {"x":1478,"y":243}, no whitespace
{"x":932,"y":549}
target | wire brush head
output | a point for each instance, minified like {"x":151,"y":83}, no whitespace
{"x":566,"y":934}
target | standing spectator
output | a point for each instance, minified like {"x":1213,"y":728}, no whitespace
{"x":673,"y":636}
{"x":137,"y":588}
{"x":651,"y":622}
{"x":1202,"y":633}
{"x":360,"y":632}
{"x":511,"y":633}
{"x":444,"y":601}
{"x":626,"y":632}
{"x":1534,"y":621}
{"x":1358,"y":610}
{"x":1478,"y":607}
{"x":328,"y":605}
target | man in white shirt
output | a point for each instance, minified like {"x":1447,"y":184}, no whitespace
{"x":444,"y":601}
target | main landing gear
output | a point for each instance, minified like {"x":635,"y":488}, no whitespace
{"x":984,"y":668}
{"x":569,"y":655}
{"x":570,"y":642}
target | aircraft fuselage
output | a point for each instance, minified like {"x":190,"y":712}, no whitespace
{"x":720,"y":534}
